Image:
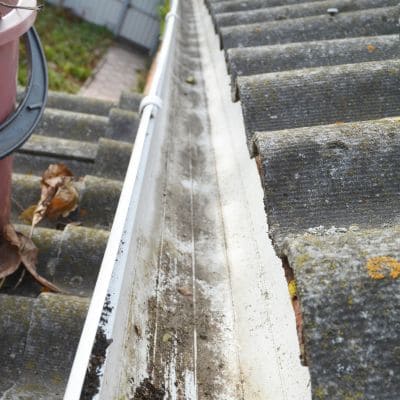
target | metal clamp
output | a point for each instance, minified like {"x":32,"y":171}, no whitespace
{"x":150,"y":100}
{"x":17,"y":129}
{"x":171,"y":14}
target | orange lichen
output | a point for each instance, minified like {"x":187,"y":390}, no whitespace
{"x":371,"y":48}
{"x":382,"y":267}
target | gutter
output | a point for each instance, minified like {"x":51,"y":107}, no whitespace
{"x":115,"y":263}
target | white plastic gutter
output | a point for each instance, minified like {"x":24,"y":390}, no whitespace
{"x":113,"y":266}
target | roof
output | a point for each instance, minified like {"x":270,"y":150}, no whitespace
{"x":40,"y":331}
{"x":316,"y":90}
{"x":319,"y":95}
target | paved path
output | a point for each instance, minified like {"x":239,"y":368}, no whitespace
{"x":117,"y":71}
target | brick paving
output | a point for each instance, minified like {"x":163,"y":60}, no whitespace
{"x":118,"y":71}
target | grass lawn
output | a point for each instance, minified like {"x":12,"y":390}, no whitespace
{"x":72,"y":47}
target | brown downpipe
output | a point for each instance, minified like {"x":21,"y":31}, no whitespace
{"x":13,"y":24}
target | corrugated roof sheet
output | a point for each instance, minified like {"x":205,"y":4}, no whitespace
{"x":40,"y":331}
{"x":314,"y":90}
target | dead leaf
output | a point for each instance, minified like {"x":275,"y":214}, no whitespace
{"x":10,"y":259}
{"x":185,"y":291}
{"x":59,"y":196}
{"x":191,"y":80}
{"x":138,"y":331}
{"x":15,"y":248}
{"x":371,"y":48}
{"x":64,"y":202}
{"x":166,"y":337}
{"x":55,"y":171}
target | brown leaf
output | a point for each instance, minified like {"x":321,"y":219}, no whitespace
{"x":29,"y":254}
{"x":15,"y":248}
{"x":10,"y":258}
{"x":10,"y":235}
{"x":56,"y":170}
{"x":58,"y":196}
{"x":64,"y":202}
{"x":185,"y":291}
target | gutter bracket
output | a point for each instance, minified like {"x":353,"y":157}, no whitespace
{"x":152,"y":100}
{"x":172,"y":14}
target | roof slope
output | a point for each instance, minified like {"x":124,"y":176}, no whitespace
{"x":314,"y":90}
{"x":40,"y":331}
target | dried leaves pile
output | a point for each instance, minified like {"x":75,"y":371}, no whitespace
{"x":59,"y":197}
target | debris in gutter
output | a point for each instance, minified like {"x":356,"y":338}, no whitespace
{"x":97,"y":358}
{"x":147,"y":391}
{"x":185,"y":291}
{"x":191,"y":80}
{"x":332,"y":11}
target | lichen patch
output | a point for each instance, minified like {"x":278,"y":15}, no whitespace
{"x":382,"y":267}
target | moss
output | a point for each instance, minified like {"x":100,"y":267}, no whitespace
{"x":350,"y":300}
{"x":301,"y":260}
{"x":319,"y":393}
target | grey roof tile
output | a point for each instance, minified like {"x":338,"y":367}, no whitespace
{"x":54,"y":323}
{"x":239,"y":5}
{"x":73,"y":102}
{"x":350,"y":317}
{"x":72,"y":125}
{"x":335,"y":175}
{"x":295,"y":11}
{"x":318,"y":96}
{"x":130,"y":101}
{"x":375,"y":21}
{"x":264,"y":59}
{"x":91,"y":137}
{"x":331,"y":191}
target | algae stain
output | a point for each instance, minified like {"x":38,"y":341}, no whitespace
{"x":319,"y":393}
{"x":301,"y":260}
{"x":382,"y":267}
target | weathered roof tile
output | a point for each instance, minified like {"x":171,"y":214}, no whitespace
{"x":264,"y":59}
{"x":318,"y":96}
{"x":335,"y":175}
{"x":295,"y":11}
{"x":375,"y":21}
{"x":350,"y":313}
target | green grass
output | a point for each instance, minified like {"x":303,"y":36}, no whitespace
{"x":73,"y":48}
{"x":163,"y":11}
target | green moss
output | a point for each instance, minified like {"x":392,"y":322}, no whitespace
{"x":163,"y":11}
{"x":319,"y":393}
{"x":301,"y":260}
